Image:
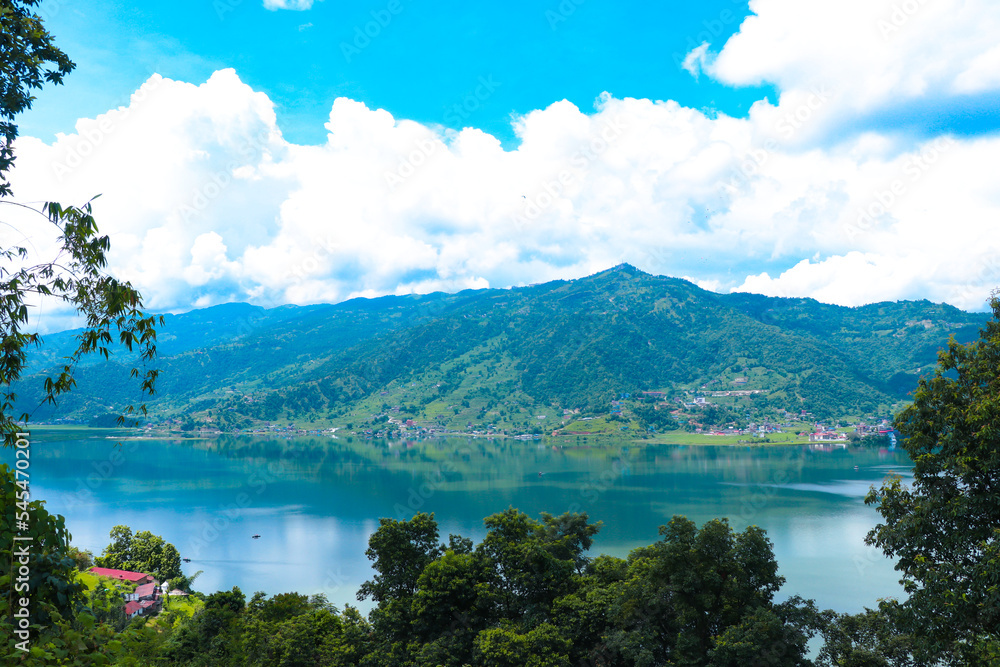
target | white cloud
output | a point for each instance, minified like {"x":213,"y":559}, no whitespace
{"x":206,"y":202}
{"x":295,"y":5}
{"x":697,"y":60}
{"x":881,"y":59}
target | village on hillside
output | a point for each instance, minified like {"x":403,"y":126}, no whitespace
{"x":147,"y":597}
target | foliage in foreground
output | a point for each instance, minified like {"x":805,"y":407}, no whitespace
{"x":60,"y":629}
{"x":526,"y":595}
{"x":944,"y":529}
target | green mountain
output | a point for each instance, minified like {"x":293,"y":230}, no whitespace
{"x":517,"y":359}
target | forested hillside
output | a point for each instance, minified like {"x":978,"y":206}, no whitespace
{"x":504,"y":357}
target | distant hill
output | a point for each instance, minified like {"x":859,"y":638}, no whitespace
{"x":517,"y":358}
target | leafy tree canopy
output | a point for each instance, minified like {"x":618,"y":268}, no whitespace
{"x":143,"y":552}
{"x":527,"y":594}
{"x":944,"y":529}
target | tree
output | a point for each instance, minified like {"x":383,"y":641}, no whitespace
{"x":143,"y":552}
{"x":399,"y":551}
{"x":212,"y":637}
{"x":542,"y":646}
{"x":533,"y":563}
{"x":868,"y":639}
{"x":60,"y":630}
{"x":944,"y":529}
{"x":50,"y":564}
{"x":705,"y":597}
{"x":28,"y":58}
{"x":26,"y":51}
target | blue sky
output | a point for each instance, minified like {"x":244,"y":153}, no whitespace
{"x":289,"y":151}
{"x":426,"y":59}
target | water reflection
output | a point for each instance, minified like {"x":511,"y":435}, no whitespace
{"x":315,"y":502}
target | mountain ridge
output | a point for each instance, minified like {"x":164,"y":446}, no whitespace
{"x":499,"y":356}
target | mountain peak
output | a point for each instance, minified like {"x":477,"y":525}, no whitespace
{"x":624,"y":267}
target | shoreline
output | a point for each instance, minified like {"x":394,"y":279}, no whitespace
{"x":680,"y":438}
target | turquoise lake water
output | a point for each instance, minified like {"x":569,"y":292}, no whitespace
{"x":315,"y":502}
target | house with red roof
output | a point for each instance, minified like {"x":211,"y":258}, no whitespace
{"x":148,"y":591}
{"x":826,"y":436}
{"x":132,"y":609}
{"x":150,"y":606}
{"x":122,"y":575}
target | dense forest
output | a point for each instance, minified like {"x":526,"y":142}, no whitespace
{"x":500,"y":357}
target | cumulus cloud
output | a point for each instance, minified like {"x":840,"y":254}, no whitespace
{"x":206,"y":202}
{"x":915,"y":66}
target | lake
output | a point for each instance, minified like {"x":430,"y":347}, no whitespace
{"x":315,"y":502}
